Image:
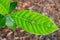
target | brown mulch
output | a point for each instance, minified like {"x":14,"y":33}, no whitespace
{"x":50,"y":8}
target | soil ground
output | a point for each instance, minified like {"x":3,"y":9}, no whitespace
{"x":50,"y":8}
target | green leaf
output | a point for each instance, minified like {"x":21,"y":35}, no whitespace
{"x":2,"y":21}
{"x":12,"y":6}
{"x":4,"y":6}
{"x":10,"y":23}
{"x":34,"y":22}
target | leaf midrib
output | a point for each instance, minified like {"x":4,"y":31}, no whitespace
{"x":23,"y":18}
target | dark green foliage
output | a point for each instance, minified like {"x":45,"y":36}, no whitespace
{"x":12,"y":6}
{"x":2,"y":21}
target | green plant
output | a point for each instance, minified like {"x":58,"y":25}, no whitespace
{"x":29,"y":21}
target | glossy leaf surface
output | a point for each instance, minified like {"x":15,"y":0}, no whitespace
{"x":34,"y":22}
{"x":10,"y":23}
{"x":4,"y":6}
